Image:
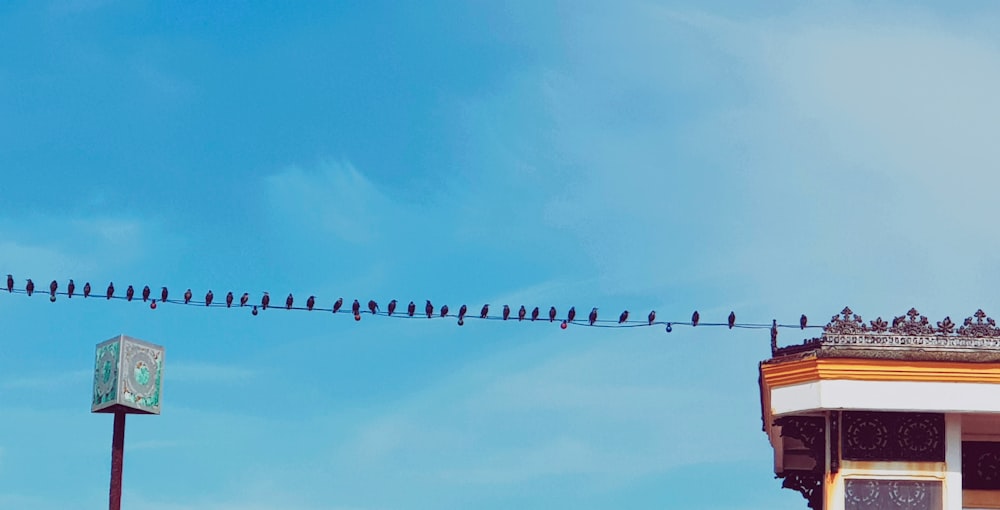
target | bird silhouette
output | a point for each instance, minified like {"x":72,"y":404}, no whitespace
{"x":695,"y":318}
{"x":552,"y":314}
{"x":411,"y":309}
{"x":372,"y":306}
{"x":288,"y":302}
{"x":392,"y":307}
{"x":265,"y":300}
{"x":53,"y":287}
{"x":356,"y":307}
{"x":86,"y":289}
{"x":506,"y":312}
{"x":111,"y":290}
{"x":652,"y":317}
{"x":623,"y":317}
{"x":521,"y":313}
{"x":803,"y":321}
{"x":229,"y":299}
{"x":129,"y":293}
{"x":70,"y":288}
{"x":310,"y":303}
{"x":187,"y":296}
{"x":145,"y":293}
{"x":444,"y":311}
{"x":593,"y":316}
{"x":163,"y":294}
{"x":462,"y":311}
{"x":534,"y":314}
{"x":484,"y":312}
{"x":571,"y":315}
{"x":429,"y":309}
{"x":29,"y":287}
{"x":10,"y":283}
{"x":244,"y":299}
{"x":732,"y":319}
{"x":209,"y":297}
{"x":336,"y":305}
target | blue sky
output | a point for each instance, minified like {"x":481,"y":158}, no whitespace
{"x":776,"y":160}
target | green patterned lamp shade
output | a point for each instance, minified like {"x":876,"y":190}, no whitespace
{"x":128,"y":376}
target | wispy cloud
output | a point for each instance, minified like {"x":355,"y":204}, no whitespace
{"x":49,"y":381}
{"x":200,"y":372}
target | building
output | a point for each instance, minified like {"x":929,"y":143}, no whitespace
{"x":879,"y":415}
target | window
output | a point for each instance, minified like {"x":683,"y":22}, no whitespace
{"x":881,"y":494}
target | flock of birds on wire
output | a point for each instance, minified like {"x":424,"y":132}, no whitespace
{"x":373,"y":307}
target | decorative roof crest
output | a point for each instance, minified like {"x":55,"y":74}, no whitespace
{"x":912,"y":324}
{"x":982,"y":327}
{"x":847,"y":323}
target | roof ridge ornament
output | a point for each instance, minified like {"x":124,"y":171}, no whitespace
{"x":912,"y":324}
{"x":847,"y":323}
{"x":983,"y":326}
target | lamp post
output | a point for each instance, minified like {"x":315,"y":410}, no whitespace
{"x":128,"y":376}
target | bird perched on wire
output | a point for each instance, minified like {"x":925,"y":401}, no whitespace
{"x":229,"y":299}
{"x":86,"y":289}
{"x":209,"y":297}
{"x":356,"y":308}
{"x":429,"y":309}
{"x":310,"y":303}
{"x":392,"y":307}
{"x":129,"y":293}
{"x":336,"y":305}
{"x":289,"y":301}
{"x":411,"y":309}
{"x":732,"y":319}
{"x":10,"y":283}
{"x":70,"y":288}
{"x":695,"y":318}
{"x":484,"y":312}
{"x":534,"y":314}
{"x":623,"y":317}
{"x":462,"y":311}
{"x":506,"y":312}
{"x":265,"y":300}
{"x":111,"y":290}
{"x":652,"y":317}
{"x":803,"y":321}
{"x":163,"y":294}
{"x":53,"y":287}
{"x":444,"y":311}
{"x":593,"y":316}
{"x":244,"y":299}
{"x":552,"y":314}
{"x":187,"y":296}
{"x":571,"y":315}
{"x":521,"y":313}
{"x":145,"y":293}
{"x":372,"y":306}
{"x":29,"y":287}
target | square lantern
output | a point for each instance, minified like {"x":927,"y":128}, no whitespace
{"x":128,"y":375}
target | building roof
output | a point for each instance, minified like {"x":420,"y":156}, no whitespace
{"x":908,"y":337}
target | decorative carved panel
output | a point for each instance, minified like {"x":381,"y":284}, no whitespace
{"x":811,"y":430}
{"x":893,"y":436}
{"x":809,"y":484}
{"x":980,"y":465}
{"x":878,"y":494}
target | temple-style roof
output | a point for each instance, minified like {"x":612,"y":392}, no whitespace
{"x":908,"y":337}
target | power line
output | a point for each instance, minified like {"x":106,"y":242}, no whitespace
{"x":394,"y":310}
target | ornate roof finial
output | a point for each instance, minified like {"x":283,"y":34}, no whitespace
{"x":847,"y":323}
{"x":912,"y":324}
{"x":982,"y":327}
